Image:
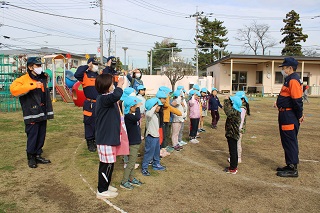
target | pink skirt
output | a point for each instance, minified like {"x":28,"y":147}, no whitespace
{"x":107,"y":154}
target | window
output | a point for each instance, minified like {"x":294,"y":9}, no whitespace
{"x":239,"y":80}
{"x":259,"y":75}
{"x":278,"y":78}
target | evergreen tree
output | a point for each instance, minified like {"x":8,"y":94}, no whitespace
{"x":212,"y":35}
{"x":293,"y":35}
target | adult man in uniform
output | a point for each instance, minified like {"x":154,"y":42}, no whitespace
{"x":290,"y":108}
{"x":36,"y":106}
{"x":87,"y":75}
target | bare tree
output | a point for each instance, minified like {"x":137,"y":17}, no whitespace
{"x":310,"y":52}
{"x":256,"y":36}
{"x":176,"y":71}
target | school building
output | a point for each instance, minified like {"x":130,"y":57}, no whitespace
{"x":260,"y":73}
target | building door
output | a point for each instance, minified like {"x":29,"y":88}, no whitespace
{"x":239,"y":80}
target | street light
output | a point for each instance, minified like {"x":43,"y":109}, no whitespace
{"x":125,"y":58}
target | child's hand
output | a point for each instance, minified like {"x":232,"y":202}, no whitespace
{"x":139,"y":104}
{"x":120,"y":82}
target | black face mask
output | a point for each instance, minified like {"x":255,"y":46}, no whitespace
{"x":113,"y":66}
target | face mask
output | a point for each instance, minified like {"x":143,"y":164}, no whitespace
{"x":283,"y":73}
{"x":113,"y":66}
{"x":95,"y":68}
{"x":38,"y":70}
{"x":138,"y":75}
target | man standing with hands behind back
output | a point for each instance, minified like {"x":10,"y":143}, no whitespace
{"x":290,"y":106}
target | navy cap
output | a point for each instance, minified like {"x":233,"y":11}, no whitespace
{"x":34,"y":60}
{"x":113,"y":59}
{"x":93,"y":60}
{"x":289,"y":61}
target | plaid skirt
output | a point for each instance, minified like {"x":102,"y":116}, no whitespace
{"x":107,"y":154}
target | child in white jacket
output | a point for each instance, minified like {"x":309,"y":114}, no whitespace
{"x":177,"y":120}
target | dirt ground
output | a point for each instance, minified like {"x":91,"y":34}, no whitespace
{"x":193,"y":182}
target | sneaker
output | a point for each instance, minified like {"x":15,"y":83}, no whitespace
{"x":150,"y":163}
{"x":288,"y":173}
{"x":106,"y":194}
{"x":159,"y":167}
{"x":145,"y":172}
{"x":177,"y":148}
{"x":135,"y":182}
{"x":126,"y":185}
{"x":231,"y":171}
{"x":169,"y":149}
{"x":136,"y":166}
{"x":203,"y":130}
{"x":287,"y":167}
{"x":182,"y":143}
{"x":200,"y":130}
{"x":124,"y":165}
{"x":194,"y":141}
{"x":112,"y":189}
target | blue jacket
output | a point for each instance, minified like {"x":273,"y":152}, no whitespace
{"x":214,"y":103}
{"x":133,"y":127}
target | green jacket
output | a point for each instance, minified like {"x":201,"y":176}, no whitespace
{"x":233,"y":120}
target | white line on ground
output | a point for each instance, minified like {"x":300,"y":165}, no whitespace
{"x":220,"y":172}
{"x":86,"y":182}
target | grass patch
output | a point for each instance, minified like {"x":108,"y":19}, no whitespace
{"x":7,"y":207}
{"x":7,"y":168}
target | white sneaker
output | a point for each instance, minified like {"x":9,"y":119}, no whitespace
{"x":182,"y":143}
{"x":136,"y":166}
{"x":197,"y":140}
{"x":124,"y":165}
{"x":112,"y":189}
{"x":106,"y":194}
{"x":194,"y":141}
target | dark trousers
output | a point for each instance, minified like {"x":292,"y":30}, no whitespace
{"x":36,"y":134}
{"x":104,"y":176}
{"x":289,"y":128}
{"x":166,"y":134}
{"x":215,"y":117}
{"x":233,"y":151}
{"x":89,"y":121}
{"x":151,"y":152}
{"x":194,"y":124}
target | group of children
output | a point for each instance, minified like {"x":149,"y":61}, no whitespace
{"x":164,"y":115}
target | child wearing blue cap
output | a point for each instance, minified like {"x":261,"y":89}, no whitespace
{"x":152,"y":144}
{"x":140,"y":94}
{"x":204,"y":107}
{"x":185,"y":109}
{"x":132,"y":117}
{"x":232,"y":108}
{"x":177,"y":120}
{"x":194,"y":108}
{"x":214,"y":105}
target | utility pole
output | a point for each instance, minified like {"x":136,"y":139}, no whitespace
{"x":101,"y":31}
{"x":125,"y":57}
{"x":109,"y":45}
{"x":151,"y":62}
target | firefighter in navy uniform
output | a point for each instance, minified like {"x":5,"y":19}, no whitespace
{"x":290,"y":106}
{"x":111,"y":69}
{"x":36,"y":106}
{"x":87,"y":75}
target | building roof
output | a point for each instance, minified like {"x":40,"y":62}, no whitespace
{"x":255,"y":59}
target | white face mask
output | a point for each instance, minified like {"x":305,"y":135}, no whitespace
{"x":284,"y":73}
{"x":95,"y":68}
{"x":138,"y":75}
{"x":38,"y":70}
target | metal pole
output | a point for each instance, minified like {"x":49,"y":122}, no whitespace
{"x":125,"y":55}
{"x":151,"y":62}
{"x":115,"y":45}
{"x":109,"y":46}
{"x":101,"y":32}
{"x":197,"y":52}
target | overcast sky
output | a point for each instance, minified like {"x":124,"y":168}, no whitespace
{"x":28,"y":29}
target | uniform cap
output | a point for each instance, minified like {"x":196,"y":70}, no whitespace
{"x":165,"y":89}
{"x":113,"y":59}
{"x":196,"y":87}
{"x":242,"y":94}
{"x":177,"y":93}
{"x":214,"y":89}
{"x":126,"y":92}
{"x":93,"y":60}
{"x":129,"y":102}
{"x":140,"y":87}
{"x":204,"y":90}
{"x":151,"y":102}
{"x":236,"y":102}
{"x":34,"y":60}
{"x":161,"y":94}
{"x":289,"y":61}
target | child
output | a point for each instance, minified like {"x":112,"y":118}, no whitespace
{"x":214,"y":103}
{"x":184,"y":114}
{"x":242,"y":127}
{"x":132,"y":120}
{"x":107,"y":133}
{"x":177,"y":120}
{"x":152,"y":145}
{"x":140,"y":94}
{"x":36,"y":106}
{"x":194,"y":107}
{"x":232,"y":109}
{"x":204,"y":105}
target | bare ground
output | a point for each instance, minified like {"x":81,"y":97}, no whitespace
{"x":194,"y":180}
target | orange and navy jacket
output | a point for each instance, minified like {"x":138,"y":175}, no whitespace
{"x":35,"y":102}
{"x":87,"y":79}
{"x":291,"y":94}
{"x":167,"y":109}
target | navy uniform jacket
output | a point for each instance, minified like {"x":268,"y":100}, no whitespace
{"x":87,"y":79}
{"x":133,"y":127}
{"x":291,"y":95}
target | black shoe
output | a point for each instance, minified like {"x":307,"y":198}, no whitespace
{"x":288,"y":173}
{"x":91,"y":145}
{"x":280,"y":169}
{"x":42,"y":160}
{"x":31,"y":161}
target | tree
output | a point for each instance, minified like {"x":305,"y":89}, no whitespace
{"x":176,"y":71}
{"x":293,"y":35}
{"x":256,"y":36}
{"x":310,"y":52}
{"x":212,"y":36}
{"x":162,"y":52}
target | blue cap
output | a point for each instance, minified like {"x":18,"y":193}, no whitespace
{"x":161,"y":94}
{"x":214,"y":89}
{"x":191,"y":92}
{"x":242,"y":94}
{"x":140,"y":87}
{"x":126,"y":92}
{"x":165,"y":89}
{"x":290,"y":61}
{"x":113,"y":59}
{"x":197,"y":93}
{"x":93,"y":60}
{"x":204,"y":90}
{"x":177,"y":93}
{"x":151,"y":102}
{"x":236,"y":102}
{"x":34,"y":60}
{"x":180,"y":88}
{"x":196,"y":87}
{"x":129,"y":102}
